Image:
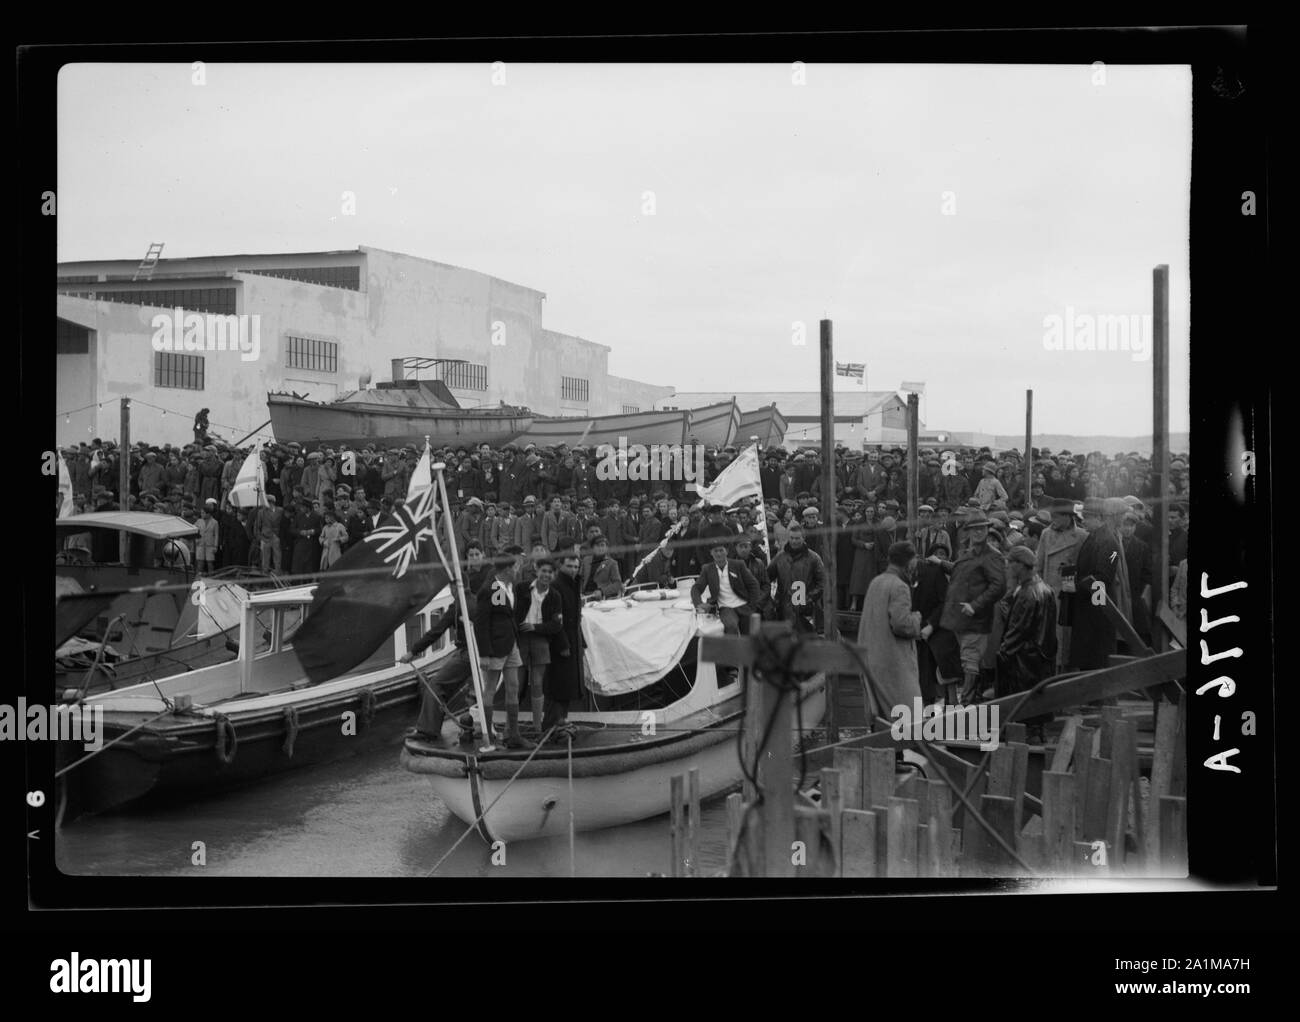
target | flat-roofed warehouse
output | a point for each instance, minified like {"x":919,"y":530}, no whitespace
{"x":327,"y":323}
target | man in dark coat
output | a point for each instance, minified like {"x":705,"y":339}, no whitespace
{"x":306,"y":526}
{"x":732,"y":590}
{"x":496,"y":634}
{"x":1101,"y":565}
{"x":978,"y":582}
{"x":1027,"y":652}
{"x":800,"y":578}
{"x":1137,"y":556}
{"x":937,"y":653}
{"x":563,"y":684}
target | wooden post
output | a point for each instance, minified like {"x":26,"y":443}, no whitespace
{"x":774,"y":771}
{"x":1058,"y":820}
{"x":1160,"y":442}
{"x":941,"y":857}
{"x":833,"y":803}
{"x":858,"y":843}
{"x":901,"y":838}
{"x":849,"y":763}
{"x":693,"y":822}
{"x":1173,"y":836}
{"x":1029,"y":446}
{"x":828,"y":503}
{"x":735,"y":815}
{"x":1123,"y":753}
{"x":1162,"y":763}
{"x":1096,"y":805}
{"x":675,"y":826}
{"x":124,"y":477}
{"x":913,"y":463}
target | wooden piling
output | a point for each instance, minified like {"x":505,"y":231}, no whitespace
{"x":940,"y":850}
{"x":901,"y":838}
{"x":833,"y":803}
{"x":676,"y":826}
{"x":693,"y":822}
{"x":1058,"y":820}
{"x":858,"y":843}
{"x":1173,"y":836}
{"x":849,"y":764}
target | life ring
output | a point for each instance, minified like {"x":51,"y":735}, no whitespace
{"x":290,"y":729}
{"x":367,"y":706}
{"x":226,"y":750}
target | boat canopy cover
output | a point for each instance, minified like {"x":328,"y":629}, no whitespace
{"x":630,"y":647}
{"x":140,"y":523}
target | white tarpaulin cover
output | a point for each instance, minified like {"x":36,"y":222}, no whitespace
{"x":628,"y":647}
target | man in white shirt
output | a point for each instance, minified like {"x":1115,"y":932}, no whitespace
{"x":733,"y":590}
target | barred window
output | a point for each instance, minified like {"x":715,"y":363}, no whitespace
{"x":573,"y":389}
{"x":347,"y":277}
{"x":218,"y":301}
{"x":465,"y":376}
{"x":173,"y":370}
{"x":631,"y":409}
{"x":309,"y":353}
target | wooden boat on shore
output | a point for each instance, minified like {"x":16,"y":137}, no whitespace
{"x":621,"y":765}
{"x":767,"y":424}
{"x":712,"y":426}
{"x":394,"y":414}
{"x":241,"y":721}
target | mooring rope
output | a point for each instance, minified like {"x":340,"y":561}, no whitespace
{"x":109,"y":745}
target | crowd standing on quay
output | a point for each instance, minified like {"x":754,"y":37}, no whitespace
{"x":980,"y":596}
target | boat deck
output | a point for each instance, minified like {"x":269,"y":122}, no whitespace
{"x":593,"y":737}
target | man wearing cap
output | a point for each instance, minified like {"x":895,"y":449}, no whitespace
{"x":1101,"y":567}
{"x":1027,"y":652}
{"x":978,"y":582}
{"x":469,"y":525}
{"x":151,"y":474}
{"x":733,"y":589}
{"x":990,"y":492}
{"x":1179,"y":523}
{"x":1054,"y":562}
{"x":528,"y":526}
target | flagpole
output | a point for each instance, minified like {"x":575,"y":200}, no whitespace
{"x":458,"y":586}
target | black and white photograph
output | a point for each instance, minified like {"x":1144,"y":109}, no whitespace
{"x":641,"y":469}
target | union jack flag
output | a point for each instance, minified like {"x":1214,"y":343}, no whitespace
{"x":399,"y":544}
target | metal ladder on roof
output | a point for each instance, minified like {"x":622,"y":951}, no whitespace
{"x":145,"y":270}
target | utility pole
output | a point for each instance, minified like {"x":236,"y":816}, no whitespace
{"x":831,"y":631}
{"x":1160,"y":440}
{"x":124,"y":475}
{"x":1029,"y":445}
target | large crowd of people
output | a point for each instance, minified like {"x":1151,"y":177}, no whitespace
{"x":979,"y":563}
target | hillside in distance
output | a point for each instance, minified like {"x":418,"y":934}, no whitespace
{"x":1108,"y":445}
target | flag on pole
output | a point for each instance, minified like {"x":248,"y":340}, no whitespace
{"x":379,"y":583}
{"x":250,"y":485}
{"x":65,"y":488}
{"x":857,"y":370}
{"x":738,"y":483}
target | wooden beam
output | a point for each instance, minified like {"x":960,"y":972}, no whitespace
{"x":774,"y":770}
{"x":124,"y":476}
{"x":939,"y":822}
{"x":1123,"y":757}
{"x":1065,"y":747}
{"x":829,"y":523}
{"x":1123,"y":628}
{"x":676,"y":828}
{"x":1159,"y":478}
{"x":913,"y":463}
{"x":1096,"y":805}
{"x":1173,"y":836}
{"x":1162,"y":763}
{"x":693,"y":822}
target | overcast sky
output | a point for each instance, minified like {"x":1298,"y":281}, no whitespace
{"x":775,"y":203}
